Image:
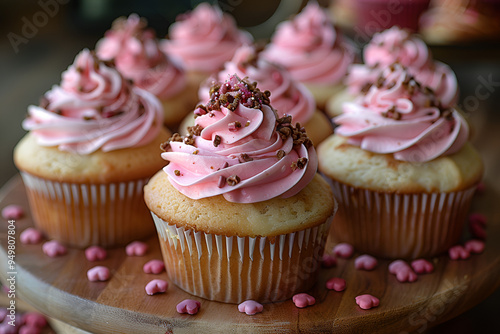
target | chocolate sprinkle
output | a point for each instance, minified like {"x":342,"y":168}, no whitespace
{"x":217,"y":140}
{"x":233,"y":180}
{"x":177,"y":172}
{"x":244,"y":158}
{"x":300,"y":163}
{"x":280,"y":154}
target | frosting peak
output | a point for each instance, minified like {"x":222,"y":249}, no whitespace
{"x":311,"y":48}
{"x":240,"y":149}
{"x":288,"y":96}
{"x":137,"y":55}
{"x":203,"y":39}
{"x":398,"y":115}
{"x":94,"y":108}
{"x":398,"y":45}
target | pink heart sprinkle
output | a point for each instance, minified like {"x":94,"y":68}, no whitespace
{"x":478,"y":218}
{"x":154,"y":267}
{"x":367,"y":301}
{"x":336,"y":284}
{"x":365,"y":262}
{"x":188,"y":306}
{"x":156,"y":286}
{"x":328,"y":261}
{"x":302,"y":300}
{"x":422,"y":266}
{"x":12,"y":212}
{"x":343,"y":250}
{"x":53,"y":248}
{"x":403,"y":271}
{"x":29,"y":329}
{"x":98,"y":274}
{"x":475,"y":246}
{"x":95,"y":253}
{"x":458,"y":252}
{"x":35,"y":319}
{"x":136,"y":248}
{"x":250,"y":307}
{"x":31,"y":236}
{"x":477,"y":230}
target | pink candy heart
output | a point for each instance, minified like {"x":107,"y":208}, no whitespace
{"x":422,"y":266}
{"x":136,"y":248}
{"x":156,"y":286}
{"x":477,"y":225}
{"x":328,"y":261}
{"x":98,"y":274}
{"x":458,"y":252}
{"x":343,"y":250}
{"x":367,"y":301}
{"x":365,"y":262}
{"x":95,"y":253}
{"x":35,"y":319}
{"x":250,"y":307}
{"x":12,"y":212}
{"x":188,"y":306}
{"x":31,"y":236}
{"x":403,"y":271}
{"x":302,"y":300}
{"x":336,"y":283}
{"x":475,"y":246}
{"x":53,"y":248}
{"x":154,"y":267}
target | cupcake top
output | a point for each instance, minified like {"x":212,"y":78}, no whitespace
{"x":204,"y":39}
{"x":94,"y":108}
{"x":311,"y":48}
{"x":136,"y":54}
{"x":240,"y":148}
{"x":398,"y":115}
{"x":398,"y":45}
{"x":288,"y":96}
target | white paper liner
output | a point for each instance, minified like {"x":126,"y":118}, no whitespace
{"x":233,"y":269}
{"x":85,"y":214}
{"x":399,"y":225}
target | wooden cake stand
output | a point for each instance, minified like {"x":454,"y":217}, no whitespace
{"x":59,"y":288}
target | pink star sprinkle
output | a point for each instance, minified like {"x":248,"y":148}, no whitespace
{"x":336,"y":284}
{"x":365,"y":262}
{"x":328,"y":261}
{"x":250,"y":307}
{"x":31,"y":236}
{"x":154,"y":267}
{"x":95,"y":253}
{"x":422,"y":266}
{"x":54,"y":249}
{"x":35,"y":319}
{"x":367,"y":301}
{"x":188,"y":306}
{"x":302,"y":300}
{"x":12,"y":212}
{"x":136,"y":248}
{"x":98,"y":274}
{"x":458,"y":252}
{"x":403,"y":271}
{"x":343,"y":250}
{"x":156,"y":286}
{"x":475,"y":246}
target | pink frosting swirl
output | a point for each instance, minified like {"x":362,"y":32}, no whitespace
{"x":398,"y":45}
{"x":238,"y":148}
{"x":288,"y":96}
{"x":400,"y":116}
{"x":204,"y":39}
{"x":137,"y":55}
{"x":94,"y":108}
{"x":311,"y":48}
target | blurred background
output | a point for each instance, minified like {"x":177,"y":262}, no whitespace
{"x":40,"y":39}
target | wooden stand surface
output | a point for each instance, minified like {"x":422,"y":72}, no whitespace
{"x":59,"y":288}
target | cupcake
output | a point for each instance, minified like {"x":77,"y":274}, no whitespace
{"x":92,"y":145}
{"x":461,"y":21}
{"x":391,"y":46}
{"x":240,"y":211}
{"x":136,"y":54}
{"x":202,"y":40}
{"x":313,"y":51}
{"x":288,"y":97}
{"x":402,"y":170}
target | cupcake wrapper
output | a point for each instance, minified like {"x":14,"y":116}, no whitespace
{"x":399,"y":225}
{"x":85,"y":214}
{"x":232,"y":269}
